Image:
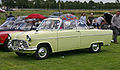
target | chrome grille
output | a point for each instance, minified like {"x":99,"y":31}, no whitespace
{"x":17,"y":43}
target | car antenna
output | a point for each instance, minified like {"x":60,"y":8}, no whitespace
{"x":59,"y":7}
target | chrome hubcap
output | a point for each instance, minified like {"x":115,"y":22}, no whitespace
{"x":95,"y":47}
{"x":42,"y":52}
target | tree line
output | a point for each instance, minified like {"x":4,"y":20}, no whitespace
{"x":52,"y":4}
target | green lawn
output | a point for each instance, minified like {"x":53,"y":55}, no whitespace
{"x":107,"y":59}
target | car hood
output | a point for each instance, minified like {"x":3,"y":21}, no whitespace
{"x":33,"y":34}
{"x":8,"y":32}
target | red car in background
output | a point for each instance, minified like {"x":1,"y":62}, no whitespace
{"x":2,"y":11}
{"x":25,"y":23}
{"x":16,"y":27}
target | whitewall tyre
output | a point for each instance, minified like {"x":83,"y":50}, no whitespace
{"x":95,"y":48}
{"x":42,"y":52}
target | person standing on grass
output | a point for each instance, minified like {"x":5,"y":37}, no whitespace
{"x":115,"y":25}
{"x":10,"y":15}
{"x":83,"y":18}
{"x":90,"y":19}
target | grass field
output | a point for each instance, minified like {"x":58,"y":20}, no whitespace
{"x":107,"y":59}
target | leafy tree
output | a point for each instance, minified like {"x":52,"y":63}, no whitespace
{"x":52,"y":4}
{"x":117,"y":1}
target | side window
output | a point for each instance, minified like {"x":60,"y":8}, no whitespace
{"x":68,"y":25}
{"x":50,"y":24}
{"x":55,"y":24}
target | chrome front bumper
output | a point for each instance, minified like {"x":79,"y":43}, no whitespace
{"x":21,"y":46}
{"x":25,"y":50}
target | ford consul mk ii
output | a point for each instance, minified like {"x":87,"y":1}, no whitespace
{"x":57,"y":35}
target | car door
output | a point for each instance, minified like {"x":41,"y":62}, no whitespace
{"x":68,"y":37}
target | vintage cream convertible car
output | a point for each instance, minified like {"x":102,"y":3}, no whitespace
{"x":56,"y":35}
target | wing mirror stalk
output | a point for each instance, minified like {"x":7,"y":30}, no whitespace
{"x":36,"y":30}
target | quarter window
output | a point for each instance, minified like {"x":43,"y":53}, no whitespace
{"x":68,"y":25}
{"x":50,"y":24}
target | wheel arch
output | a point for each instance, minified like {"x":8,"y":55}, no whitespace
{"x":101,"y":43}
{"x":46,"y":43}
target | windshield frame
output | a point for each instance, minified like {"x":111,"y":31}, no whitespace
{"x":38,"y":28}
{"x":61,"y":22}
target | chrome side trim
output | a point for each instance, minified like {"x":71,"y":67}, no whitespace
{"x":30,"y":49}
{"x":45,"y":38}
{"x":95,"y":35}
{"x":70,"y":36}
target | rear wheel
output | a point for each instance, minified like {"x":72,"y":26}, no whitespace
{"x":21,"y":54}
{"x":42,"y":52}
{"x":95,"y":48}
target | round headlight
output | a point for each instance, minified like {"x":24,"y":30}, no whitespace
{"x":28,"y":38}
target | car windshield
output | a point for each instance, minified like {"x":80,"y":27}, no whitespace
{"x":22,"y":26}
{"x":49,"y":24}
{"x":7,"y":24}
{"x":21,"y":18}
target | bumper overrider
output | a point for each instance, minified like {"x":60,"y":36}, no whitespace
{"x":21,"y":46}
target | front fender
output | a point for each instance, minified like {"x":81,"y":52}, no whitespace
{"x":52,"y":46}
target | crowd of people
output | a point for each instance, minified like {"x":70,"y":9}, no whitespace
{"x":98,"y":22}
{"x":92,"y":21}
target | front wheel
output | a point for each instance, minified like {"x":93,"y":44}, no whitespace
{"x":95,"y":48}
{"x":42,"y":52}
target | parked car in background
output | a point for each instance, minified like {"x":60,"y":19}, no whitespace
{"x":19,"y":26}
{"x":9,"y":9}
{"x":57,"y":35}
{"x":6,"y":26}
{"x":2,"y":11}
{"x":56,"y":14}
